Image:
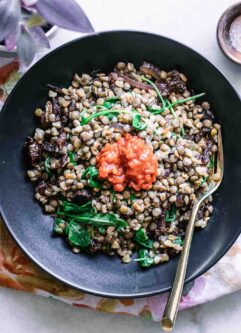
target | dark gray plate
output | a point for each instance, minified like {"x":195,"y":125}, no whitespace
{"x":102,"y":275}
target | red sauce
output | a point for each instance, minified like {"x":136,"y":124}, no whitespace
{"x":128,"y":162}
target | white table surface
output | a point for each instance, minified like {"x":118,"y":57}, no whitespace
{"x":192,"y":22}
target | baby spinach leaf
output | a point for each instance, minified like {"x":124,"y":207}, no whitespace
{"x":144,"y":259}
{"x":69,"y":207}
{"x":101,"y":230}
{"x":142,"y":240}
{"x":97,"y":220}
{"x":91,"y":173}
{"x":78,"y":234}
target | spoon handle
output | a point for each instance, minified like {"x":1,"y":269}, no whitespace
{"x":170,"y":313}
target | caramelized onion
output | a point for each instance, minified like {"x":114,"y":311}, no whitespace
{"x":150,"y":69}
{"x":135,"y":83}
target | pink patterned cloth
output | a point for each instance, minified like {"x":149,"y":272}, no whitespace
{"x":17,"y":271}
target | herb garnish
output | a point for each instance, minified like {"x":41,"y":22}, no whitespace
{"x":171,"y":214}
{"x":203,"y":181}
{"x":47,"y":166}
{"x":105,"y":112}
{"x":212,"y":162}
{"x":92,"y":173}
{"x":155,"y":111}
{"x":113,"y":196}
{"x":177,"y":103}
{"x":142,"y":240}
{"x":72,"y":157}
{"x":110,"y":102}
{"x":136,"y":117}
{"x":191,"y":98}
{"x":132,"y":197}
{"x":137,"y":124}
{"x":178,"y":241}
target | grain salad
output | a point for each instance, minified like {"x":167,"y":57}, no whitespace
{"x":118,"y":159}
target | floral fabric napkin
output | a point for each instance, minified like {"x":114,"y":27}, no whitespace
{"x":17,"y":271}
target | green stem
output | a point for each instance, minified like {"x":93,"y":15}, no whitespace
{"x":101,"y":113}
{"x":155,"y":88}
{"x":180,"y":102}
{"x":175,"y":116}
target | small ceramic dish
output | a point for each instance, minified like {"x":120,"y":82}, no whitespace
{"x":223,"y":29}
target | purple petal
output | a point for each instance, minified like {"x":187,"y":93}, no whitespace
{"x":28,"y":3}
{"x":64,"y":13}
{"x":10,"y":14}
{"x":11,"y":39}
{"x":26,"y":46}
{"x":40,"y":37}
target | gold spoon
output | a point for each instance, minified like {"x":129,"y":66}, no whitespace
{"x":170,"y":313}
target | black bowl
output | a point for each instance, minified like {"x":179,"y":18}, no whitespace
{"x":32,"y":230}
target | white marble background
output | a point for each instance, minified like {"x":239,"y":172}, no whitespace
{"x":192,"y":22}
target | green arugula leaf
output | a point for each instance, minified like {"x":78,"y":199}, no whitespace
{"x":137,"y":124}
{"x":110,"y":102}
{"x":91,"y":173}
{"x":191,"y":98}
{"x":142,"y":240}
{"x":179,"y":102}
{"x":105,"y":112}
{"x":204,"y":179}
{"x":212,"y":162}
{"x":155,"y":111}
{"x":171,"y":214}
{"x":113,"y":196}
{"x":78,"y":235}
{"x":144,"y":259}
{"x":178,"y":240}
{"x":47,"y":166}
{"x":163,"y":101}
{"x":72,"y":157}
{"x":132,"y":197}
{"x":175,"y":116}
